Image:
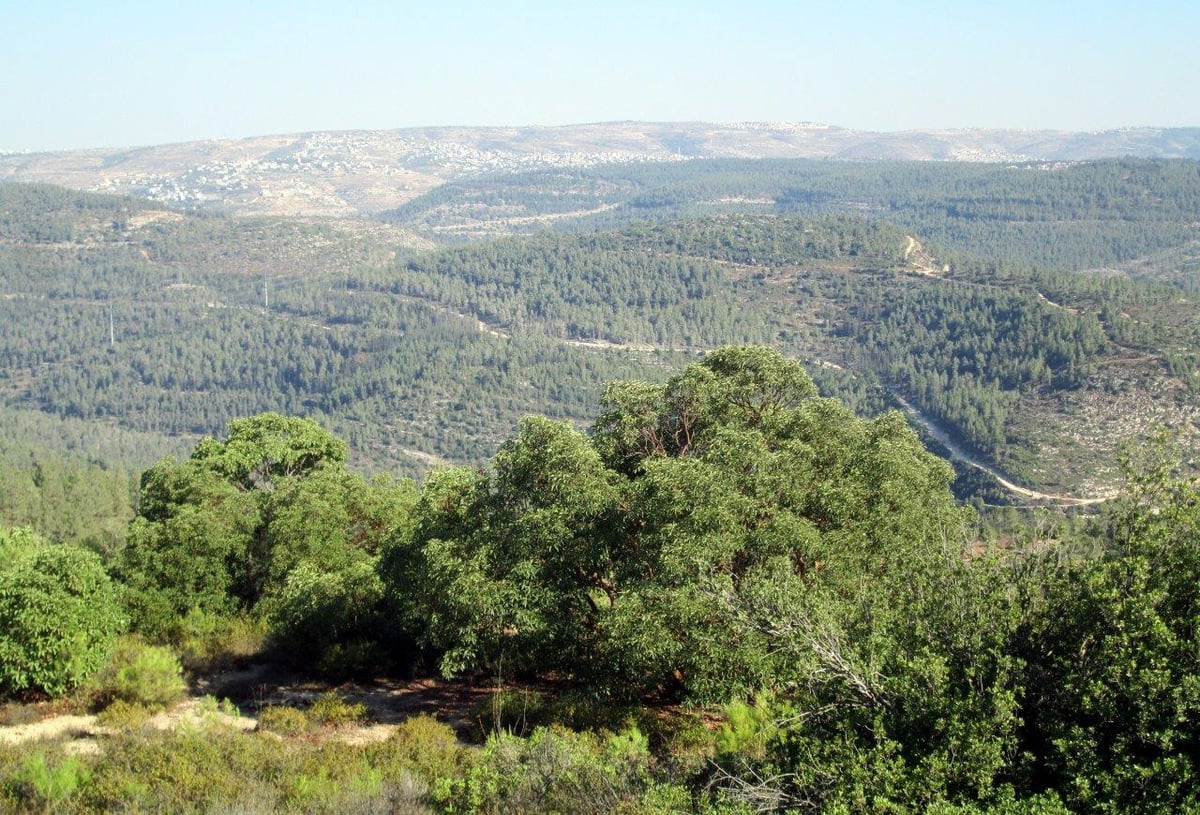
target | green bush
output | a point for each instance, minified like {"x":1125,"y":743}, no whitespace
{"x":421,"y":745}
{"x":59,"y":616}
{"x":329,"y":618}
{"x":748,"y":729}
{"x":141,"y":674}
{"x":511,"y":710}
{"x":554,"y":770}
{"x":580,"y":709}
{"x":684,"y":739}
{"x":208,"y":641}
{"x":19,"y":543}
{"x":283,"y":721}
{"x":123,"y":715}
{"x":181,"y":771}
{"x":49,"y":786}
{"x":355,"y":659}
{"x":331,"y":710}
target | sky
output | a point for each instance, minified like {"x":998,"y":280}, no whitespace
{"x":118,"y":74}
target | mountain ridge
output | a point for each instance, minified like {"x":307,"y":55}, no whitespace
{"x":345,"y":173}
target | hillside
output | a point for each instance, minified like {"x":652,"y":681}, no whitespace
{"x":343,"y":173}
{"x":124,"y":315}
{"x":1065,"y":216}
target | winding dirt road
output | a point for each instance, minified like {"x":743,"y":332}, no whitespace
{"x":959,"y":454}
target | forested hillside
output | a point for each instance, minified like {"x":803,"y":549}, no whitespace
{"x":139,"y":319}
{"x":153,"y":321}
{"x":1062,"y":215}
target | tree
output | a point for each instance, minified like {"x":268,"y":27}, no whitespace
{"x":59,"y":615}
{"x":260,"y":449}
{"x":224,"y":529}
{"x":1113,"y":679}
{"x":514,"y":565}
{"x":614,"y":556}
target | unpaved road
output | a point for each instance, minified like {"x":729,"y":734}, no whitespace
{"x":959,"y":454}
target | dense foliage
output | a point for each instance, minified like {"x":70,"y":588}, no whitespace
{"x":738,"y":594}
{"x":726,"y":538}
{"x":265,"y":519}
{"x":59,"y":614}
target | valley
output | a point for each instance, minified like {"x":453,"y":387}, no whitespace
{"x":968,"y":292}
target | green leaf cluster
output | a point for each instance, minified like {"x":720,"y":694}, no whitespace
{"x":59,"y":615}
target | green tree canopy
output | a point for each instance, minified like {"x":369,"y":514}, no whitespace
{"x":59,"y":615}
{"x":222,"y":530}
{"x":613,"y":556}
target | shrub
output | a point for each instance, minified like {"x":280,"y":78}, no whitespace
{"x":19,"y":543}
{"x":748,"y":729}
{"x":332,"y":710}
{"x":184,"y":770}
{"x":211,"y":707}
{"x":356,"y":659}
{"x":283,"y":721}
{"x":421,"y":745}
{"x":59,"y":616}
{"x":50,"y":786}
{"x":209,"y":641}
{"x":684,"y":739}
{"x":554,"y":770}
{"x":329,"y":618}
{"x":123,"y":715}
{"x":15,"y":713}
{"x":141,"y":674}
{"x":517,"y":711}
{"x":580,"y":709}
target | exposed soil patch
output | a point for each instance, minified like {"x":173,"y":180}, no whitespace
{"x":460,"y":703}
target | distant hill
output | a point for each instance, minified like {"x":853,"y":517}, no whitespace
{"x":343,"y":173}
{"x":1033,"y":316}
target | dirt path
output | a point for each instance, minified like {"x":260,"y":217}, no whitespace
{"x":921,"y":261}
{"x":959,"y":454}
{"x":462,"y":704}
{"x":518,"y":220}
{"x":54,"y":727}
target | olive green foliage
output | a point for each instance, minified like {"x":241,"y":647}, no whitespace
{"x":425,"y":746}
{"x":705,"y":253}
{"x":331,"y":710}
{"x":726,"y":538}
{"x":140,"y":674}
{"x":283,"y":720}
{"x":328,"y":710}
{"x":616,"y":556}
{"x":262,"y":449}
{"x":19,"y":542}
{"x":66,"y":499}
{"x":59,"y":615}
{"x":554,"y":770}
{"x":1113,"y":683}
{"x":49,"y":785}
{"x":514,"y":711}
{"x":338,"y":615}
{"x":122,"y":715}
{"x":1078,"y":216}
{"x":208,"y":642}
{"x":265,"y":521}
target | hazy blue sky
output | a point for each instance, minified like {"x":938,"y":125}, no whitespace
{"x":92,"y":74}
